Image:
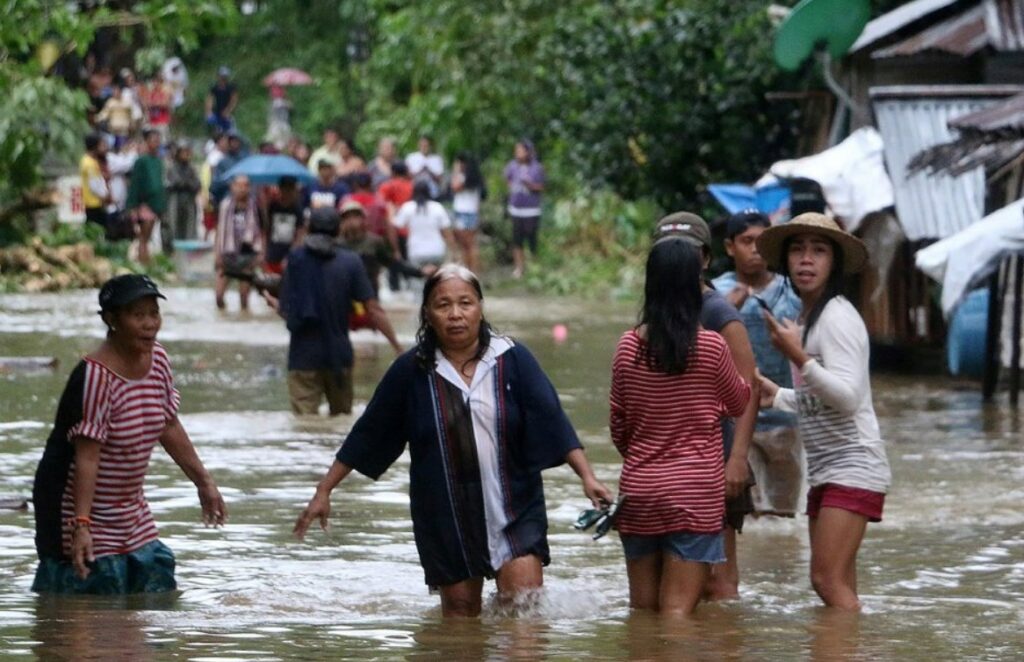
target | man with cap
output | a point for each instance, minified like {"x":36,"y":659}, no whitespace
{"x":221,"y":101}
{"x":374,"y":251}
{"x":776,"y":454}
{"x":322,"y":282}
{"x":720,"y":316}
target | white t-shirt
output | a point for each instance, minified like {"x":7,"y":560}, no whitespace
{"x":466,"y":201}
{"x":418,"y":161}
{"x":429,"y":164}
{"x":832,"y":400}
{"x":425,"y":239}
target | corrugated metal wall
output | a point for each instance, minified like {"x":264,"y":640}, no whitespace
{"x":929,"y":206}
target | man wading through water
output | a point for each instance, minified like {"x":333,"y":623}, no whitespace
{"x":321,"y":282}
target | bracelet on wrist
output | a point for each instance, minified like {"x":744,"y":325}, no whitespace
{"x":79,"y":521}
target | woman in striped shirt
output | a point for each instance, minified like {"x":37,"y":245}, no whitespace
{"x":847,"y":467}
{"x":94,"y":529}
{"x":672,"y":383}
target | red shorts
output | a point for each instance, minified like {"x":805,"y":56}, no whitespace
{"x":853,"y":499}
{"x":274,"y":267}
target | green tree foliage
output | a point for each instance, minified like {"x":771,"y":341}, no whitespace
{"x":39,"y":115}
{"x":648,"y":97}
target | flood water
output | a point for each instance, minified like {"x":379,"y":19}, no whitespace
{"x":941,"y":578}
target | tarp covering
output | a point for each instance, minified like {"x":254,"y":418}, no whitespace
{"x":964,"y":260}
{"x":771,"y":199}
{"x":852,"y":175}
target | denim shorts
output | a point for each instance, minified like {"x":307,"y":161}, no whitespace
{"x":696,"y":547}
{"x":466,"y":220}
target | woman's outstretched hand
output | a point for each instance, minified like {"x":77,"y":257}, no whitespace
{"x":215,"y":512}
{"x":598,"y":494}
{"x":319,"y":508}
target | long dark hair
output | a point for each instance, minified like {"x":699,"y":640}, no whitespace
{"x":834,"y":286}
{"x":471,"y":170}
{"x":672,"y":304}
{"x":420,"y":195}
{"x":426,"y":337}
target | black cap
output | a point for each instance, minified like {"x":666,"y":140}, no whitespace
{"x":120,"y":291}
{"x":324,"y":220}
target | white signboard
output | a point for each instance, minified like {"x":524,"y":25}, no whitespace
{"x":70,"y":205}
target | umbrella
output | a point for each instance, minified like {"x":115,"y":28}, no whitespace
{"x":287,"y":76}
{"x":268,"y":168}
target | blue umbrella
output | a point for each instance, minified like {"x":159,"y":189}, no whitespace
{"x":268,"y":168}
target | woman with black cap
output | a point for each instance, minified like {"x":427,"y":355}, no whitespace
{"x":847,"y":467}
{"x":94,"y":530}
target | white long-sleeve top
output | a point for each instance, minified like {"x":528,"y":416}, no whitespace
{"x":832,"y":398}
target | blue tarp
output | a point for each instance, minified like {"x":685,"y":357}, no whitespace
{"x":772,"y":199}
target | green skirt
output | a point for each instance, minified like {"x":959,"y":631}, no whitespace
{"x":149,"y":569}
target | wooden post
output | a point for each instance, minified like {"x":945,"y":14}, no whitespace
{"x":995,"y":313}
{"x":1018,"y":276}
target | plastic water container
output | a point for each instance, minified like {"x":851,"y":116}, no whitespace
{"x":965,"y":341}
{"x":193,"y":258}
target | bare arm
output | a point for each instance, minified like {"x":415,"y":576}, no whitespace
{"x":736,"y":470}
{"x":382,"y":323}
{"x":176,"y":442}
{"x":592,"y":487}
{"x":319,"y":506}
{"x":209,"y":105}
{"x":232,"y":103}
{"x":87,"y":465}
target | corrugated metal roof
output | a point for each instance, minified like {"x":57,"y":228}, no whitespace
{"x":998,"y":24}
{"x":1005,"y":119}
{"x":890,"y":22}
{"x":910,"y":121}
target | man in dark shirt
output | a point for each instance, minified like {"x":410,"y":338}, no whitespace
{"x":321,"y":283}
{"x":328,"y":190}
{"x":285,"y":223}
{"x":374,"y":251}
{"x":221,"y":101}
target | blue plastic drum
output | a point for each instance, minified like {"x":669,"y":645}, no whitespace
{"x":965,"y":341}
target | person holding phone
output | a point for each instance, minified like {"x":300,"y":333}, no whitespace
{"x":847,"y":467}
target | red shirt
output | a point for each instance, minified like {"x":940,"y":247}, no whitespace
{"x":127,"y":417}
{"x":397,"y":191}
{"x":668,"y":429}
{"x":376,"y":212}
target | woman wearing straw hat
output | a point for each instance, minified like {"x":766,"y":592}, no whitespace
{"x":846,"y":462}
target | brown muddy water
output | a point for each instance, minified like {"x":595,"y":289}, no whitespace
{"x":941,"y":578}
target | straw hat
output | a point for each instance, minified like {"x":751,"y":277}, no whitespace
{"x":769,"y":244}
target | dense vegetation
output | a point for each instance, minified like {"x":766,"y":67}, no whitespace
{"x":636,"y":105}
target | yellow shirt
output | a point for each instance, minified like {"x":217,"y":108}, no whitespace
{"x":89,"y":169}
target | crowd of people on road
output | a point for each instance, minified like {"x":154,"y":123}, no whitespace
{"x":138,"y":184}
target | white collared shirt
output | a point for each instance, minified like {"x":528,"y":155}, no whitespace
{"x":479,"y":395}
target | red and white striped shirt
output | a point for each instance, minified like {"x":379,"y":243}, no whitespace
{"x":127,"y":417}
{"x":668,"y":430}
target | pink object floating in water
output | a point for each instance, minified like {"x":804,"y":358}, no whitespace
{"x":559,"y":332}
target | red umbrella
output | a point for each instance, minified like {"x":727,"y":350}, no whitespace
{"x":287,"y":76}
